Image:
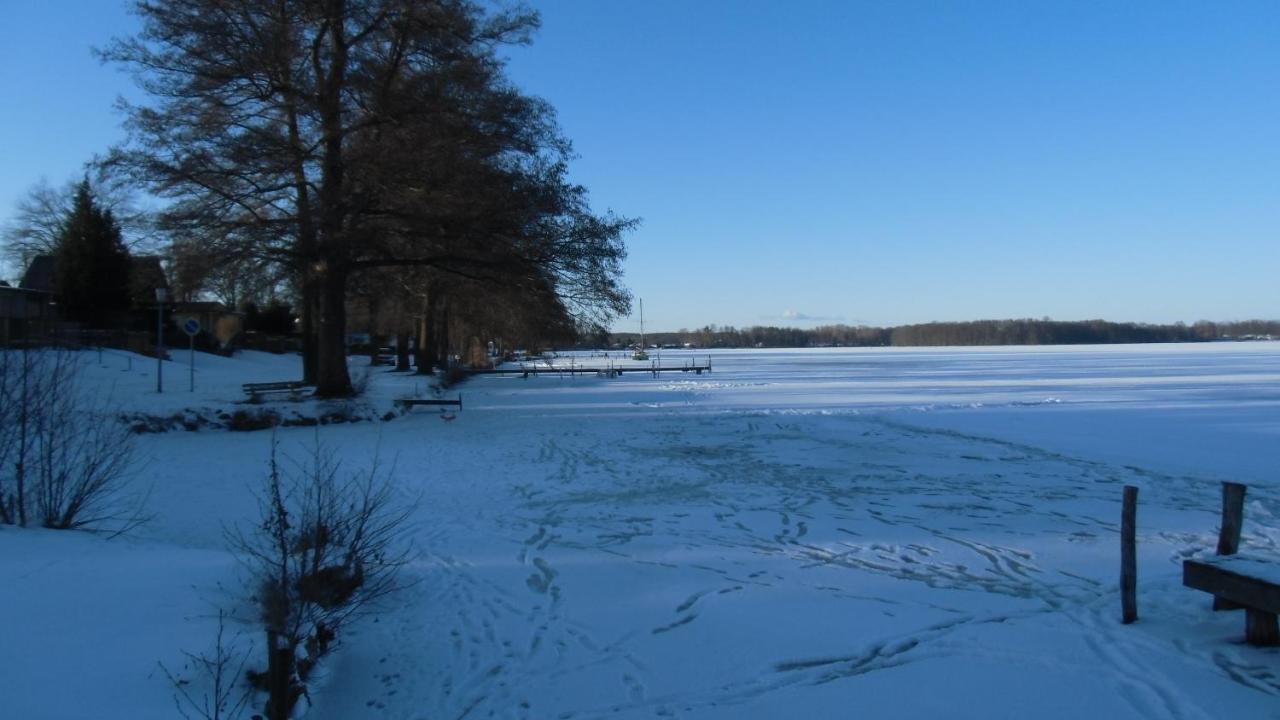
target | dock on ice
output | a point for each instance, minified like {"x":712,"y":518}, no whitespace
{"x":655,"y":368}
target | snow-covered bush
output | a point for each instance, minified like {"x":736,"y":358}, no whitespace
{"x":65,"y":458}
{"x":327,"y":544}
{"x":252,"y":420}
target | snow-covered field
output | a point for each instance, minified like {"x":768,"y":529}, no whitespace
{"x":883,"y":533}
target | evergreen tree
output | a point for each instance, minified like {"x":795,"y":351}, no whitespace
{"x":92,"y":263}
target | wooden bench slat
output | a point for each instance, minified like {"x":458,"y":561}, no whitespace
{"x":1226,"y":577}
{"x":253,"y":390}
{"x":428,"y":401}
{"x":407,"y":403}
{"x":291,"y":385}
{"x":1247,"y":582}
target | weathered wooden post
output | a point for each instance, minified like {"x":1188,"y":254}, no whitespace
{"x":1261,"y":628}
{"x":1232,"y":518}
{"x":1229,"y":534}
{"x":1128,"y":555}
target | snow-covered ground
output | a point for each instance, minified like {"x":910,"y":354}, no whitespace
{"x":876,"y":533}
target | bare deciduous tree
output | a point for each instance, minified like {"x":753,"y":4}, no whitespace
{"x":330,"y":138}
{"x":36,"y":223}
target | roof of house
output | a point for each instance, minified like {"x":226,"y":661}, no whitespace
{"x":145,"y":275}
{"x":40,"y":274}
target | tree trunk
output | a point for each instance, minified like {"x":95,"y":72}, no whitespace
{"x":332,"y":379}
{"x":443,"y":343}
{"x":402,"y":352}
{"x":375,"y":342}
{"x":310,"y":350}
{"x":426,"y":346}
{"x":279,"y":678}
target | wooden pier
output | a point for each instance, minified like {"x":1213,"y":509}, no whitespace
{"x":655,"y":368}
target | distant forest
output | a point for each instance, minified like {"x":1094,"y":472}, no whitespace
{"x":980,"y":332}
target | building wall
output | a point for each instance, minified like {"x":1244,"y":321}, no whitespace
{"x":24,"y":314}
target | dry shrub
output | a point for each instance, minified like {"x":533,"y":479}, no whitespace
{"x":327,"y":545}
{"x":66,"y":458}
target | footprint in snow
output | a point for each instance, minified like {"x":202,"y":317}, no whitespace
{"x":540,"y":582}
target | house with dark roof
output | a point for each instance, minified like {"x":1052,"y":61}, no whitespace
{"x":30,"y":311}
{"x":146,"y":274}
{"x":24,"y":314}
{"x":41,"y":275}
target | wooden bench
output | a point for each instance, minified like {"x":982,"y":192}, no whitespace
{"x":1250,"y":582}
{"x":405,"y":403}
{"x":257,"y":390}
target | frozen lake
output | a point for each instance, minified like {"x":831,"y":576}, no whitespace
{"x":813,"y":533}
{"x":1212,"y":409}
{"x":827,"y":533}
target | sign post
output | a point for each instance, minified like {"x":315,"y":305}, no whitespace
{"x":192,"y":328}
{"x":160,"y":293}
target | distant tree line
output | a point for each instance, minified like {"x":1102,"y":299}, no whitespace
{"x":979,"y":332}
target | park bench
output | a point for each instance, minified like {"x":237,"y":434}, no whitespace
{"x":1246,"y":581}
{"x":256,"y":390}
{"x":406,"y":403}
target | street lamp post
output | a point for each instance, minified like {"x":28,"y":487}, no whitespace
{"x":160,"y":340}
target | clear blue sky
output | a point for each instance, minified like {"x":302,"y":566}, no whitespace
{"x":861,"y":162}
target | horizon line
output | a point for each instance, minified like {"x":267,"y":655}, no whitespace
{"x":727,"y":327}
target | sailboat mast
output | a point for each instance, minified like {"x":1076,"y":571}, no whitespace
{"x":640,"y":353}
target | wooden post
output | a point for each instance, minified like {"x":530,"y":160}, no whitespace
{"x":1232,"y":518}
{"x":1128,"y":555}
{"x":1229,"y":534}
{"x":1260,"y":628}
